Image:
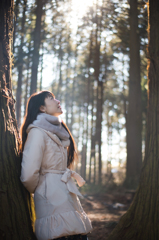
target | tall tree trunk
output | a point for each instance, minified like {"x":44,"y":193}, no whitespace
{"x":37,"y":41}
{"x":87,"y":124}
{"x":73,"y":90}
{"x":60,"y":63}
{"x":99,"y":96}
{"x":142,"y":219}
{"x":83,"y":152}
{"x":41,"y":72}
{"x":99,"y":127}
{"x":124,"y":100}
{"x":67,"y":83}
{"x":83,"y":161}
{"x":16,"y":12}
{"x":87,"y":95}
{"x":109,"y":142}
{"x":67,"y":99}
{"x":15,"y":220}
{"x":27,"y":78}
{"x":134,"y":123}
{"x":93,"y":136}
{"x":20,"y":68}
{"x":99,"y":106}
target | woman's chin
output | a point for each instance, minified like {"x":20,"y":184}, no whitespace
{"x":60,"y":112}
{"x":57,"y":114}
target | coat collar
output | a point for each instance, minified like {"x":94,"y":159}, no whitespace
{"x":54,"y":137}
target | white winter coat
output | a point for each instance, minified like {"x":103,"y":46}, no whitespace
{"x":44,"y":172}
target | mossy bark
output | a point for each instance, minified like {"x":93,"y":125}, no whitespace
{"x":142,"y":219}
{"x":15,"y":207}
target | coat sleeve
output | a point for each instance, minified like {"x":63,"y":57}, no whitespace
{"x":32,"y":158}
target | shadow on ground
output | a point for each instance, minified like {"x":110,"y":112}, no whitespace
{"x":105,"y":210}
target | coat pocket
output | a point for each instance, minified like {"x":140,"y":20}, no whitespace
{"x":41,"y":188}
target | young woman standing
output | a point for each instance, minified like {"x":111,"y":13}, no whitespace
{"x":49,"y":152}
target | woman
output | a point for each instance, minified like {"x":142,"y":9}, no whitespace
{"x":49,"y":152}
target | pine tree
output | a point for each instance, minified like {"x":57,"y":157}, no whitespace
{"x":15,"y":222}
{"x":141,"y":219}
{"x":20,"y":67}
{"x":37,"y":41}
{"x":134,"y":119}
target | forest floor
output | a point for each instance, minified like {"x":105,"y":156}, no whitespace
{"x":104,"y":209}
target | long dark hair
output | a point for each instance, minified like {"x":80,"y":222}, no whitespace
{"x":32,"y":110}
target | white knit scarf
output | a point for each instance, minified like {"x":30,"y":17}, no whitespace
{"x":52,"y":124}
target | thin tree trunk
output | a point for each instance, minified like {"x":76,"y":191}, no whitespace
{"x":60,"y":58}
{"x":73,"y":92}
{"x":93,"y":131}
{"x":87,"y":127}
{"x":67,"y":89}
{"x":83,"y":154}
{"x":125,"y":104}
{"x":99,"y":100}
{"x":20,"y":68}
{"x":109,"y":142}
{"x":99,"y":96}
{"x":37,"y":41}
{"x":27,"y":78}
{"x":88,"y":103}
{"x":142,"y":219}
{"x":15,"y":220}
{"x":134,"y":120}
{"x":85,"y":132}
{"x":83,"y":162}
{"x":16,"y":12}
{"x":90,"y":94}
{"x":67,"y":100}
{"x":99,"y":128}
{"x":41,"y":72}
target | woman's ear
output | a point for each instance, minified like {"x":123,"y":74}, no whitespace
{"x":42,"y":109}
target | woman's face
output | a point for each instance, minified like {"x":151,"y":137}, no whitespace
{"x":52,"y":106}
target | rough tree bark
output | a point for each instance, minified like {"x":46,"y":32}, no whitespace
{"x":142,"y":219}
{"x":134,"y":120}
{"x":15,"y":220}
